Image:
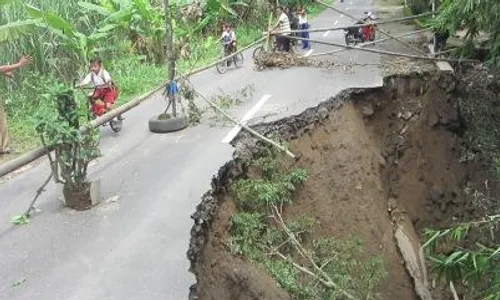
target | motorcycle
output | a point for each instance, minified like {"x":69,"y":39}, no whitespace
{"x":355,"y":35}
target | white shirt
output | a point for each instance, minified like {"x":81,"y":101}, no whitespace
{"x":102,"y":78}
{"x":302,"y":19}
{"x":228,"y":37}
{"x":284,"y":24}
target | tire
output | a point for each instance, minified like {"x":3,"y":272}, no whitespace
{"x":116,"y":124}
{"x":238,"y":60}
{"x":170,"y":125}
{"x":349,"y":39}
{"x":221,"y":67}
{"x":258,"y":52}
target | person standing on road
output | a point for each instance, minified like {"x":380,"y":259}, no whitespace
{"x":441,"y":35}
{"x":6,"y":70}
{"x":284,"y":30}
{"x":303,"y":25}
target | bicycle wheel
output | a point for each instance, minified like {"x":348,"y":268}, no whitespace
{"x":258,"y":52}
{"x":116,"y":124}
{"x":238,"y":60}
{"x":222,"y":67}
{"x":350,"y":39}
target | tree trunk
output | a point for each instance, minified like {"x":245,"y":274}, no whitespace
{"x":170,"y":50}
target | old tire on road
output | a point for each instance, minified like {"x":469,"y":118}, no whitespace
{"x":158,"y":125}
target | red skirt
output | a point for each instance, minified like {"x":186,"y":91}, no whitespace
{"x":107,"y":96}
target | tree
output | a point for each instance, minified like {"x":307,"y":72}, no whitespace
{"x":475,"y":16}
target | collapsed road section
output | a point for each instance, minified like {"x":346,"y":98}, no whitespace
{"x":382,"y":164}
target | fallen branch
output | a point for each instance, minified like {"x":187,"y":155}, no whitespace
{"x":377,"y":29}
{"x":39,"y":191}
{"x":384,"y":52}
{"x":306,"y":271}
{"x":255,"y":133}
{"x":454,"y":291}
{"x":298,"y":246}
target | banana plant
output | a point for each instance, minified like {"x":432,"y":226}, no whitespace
{"x":143,"y":23}
{"x":77,"y":43}
{"x":13,"y":30}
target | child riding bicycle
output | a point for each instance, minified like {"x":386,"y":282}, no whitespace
{"x":105,"y":90}
{"x":228,"y":39}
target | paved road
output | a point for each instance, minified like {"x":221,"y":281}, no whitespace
{"x":135,"y":247}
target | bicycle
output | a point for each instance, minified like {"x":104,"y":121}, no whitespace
{"x":237,"y":60}
{"x":116,"y":123}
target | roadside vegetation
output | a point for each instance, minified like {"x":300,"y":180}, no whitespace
{"x":474,"y":17}
{"x":305,"y":265}
{"x":128,"y":34}
{"x":465,"y":257}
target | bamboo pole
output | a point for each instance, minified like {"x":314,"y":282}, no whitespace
{"x":31,"y":156}
{"x":358,"y":25}
{"x":255,"y":133}
{"x":369,"y":43}
{"x":171,"y":59}
{"x":384,"y":52}
{"x":377,"y":29}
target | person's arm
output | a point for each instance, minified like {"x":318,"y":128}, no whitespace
{"x":7,"y":69}
{"x":87,"y":80}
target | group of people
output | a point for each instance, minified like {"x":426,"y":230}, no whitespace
{"x":102,"y":98}
{"x":289,"y":20}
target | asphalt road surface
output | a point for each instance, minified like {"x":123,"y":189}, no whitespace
{"x":133,"y":245}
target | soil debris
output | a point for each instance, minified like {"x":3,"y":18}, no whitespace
{"x":402,"y":65}
{"x":283,"y":60}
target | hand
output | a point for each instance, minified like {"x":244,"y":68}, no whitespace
{"x":9,"y":74}
{"x":25,"y":60}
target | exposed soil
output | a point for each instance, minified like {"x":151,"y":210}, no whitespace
{"x":378,"y":160}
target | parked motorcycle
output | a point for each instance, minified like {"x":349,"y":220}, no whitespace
{"x":355,"y":35}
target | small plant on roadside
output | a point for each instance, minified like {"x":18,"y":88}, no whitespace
{"x":275,"y":187}
{"x":74,"y":149}
{"x":20,"y":220}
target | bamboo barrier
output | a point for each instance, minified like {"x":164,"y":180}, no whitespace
{"x":31,"y":156}
{"x":369,"y":43}
{"x":395,"y":20}
{"x":377,"y":29}
{"x":383,"y":52}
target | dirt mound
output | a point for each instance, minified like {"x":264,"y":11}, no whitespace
{"x":376,"y":159}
